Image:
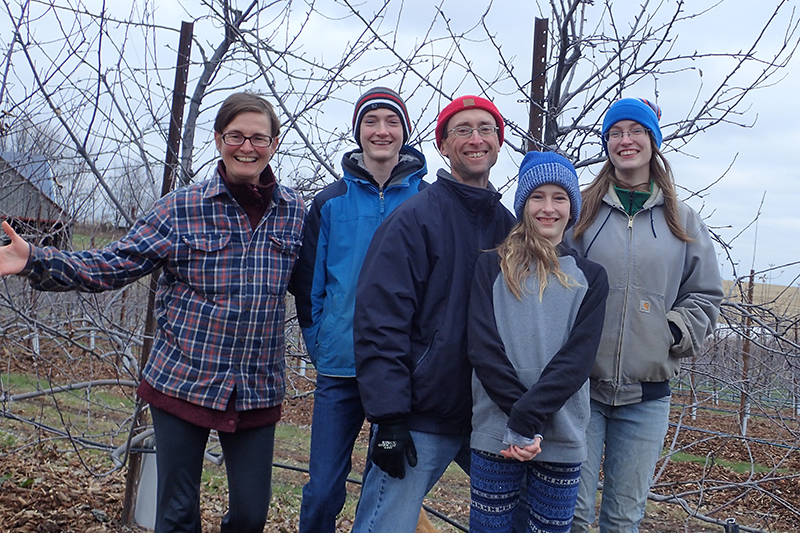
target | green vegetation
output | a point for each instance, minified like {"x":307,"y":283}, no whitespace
{"x":19,"y":383}
{"x":738,"y":467}
{"x":95,"y":414}
{"x":82,"y":241}
{"x":213,"y":479}
{"x":7,"y":440}
{"x":75,"y":400}
{"x":292,"y":436}
{"x":83,"y":235}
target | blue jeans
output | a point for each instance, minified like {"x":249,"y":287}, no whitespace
{"x":391,"y":505}
{"x":180,"y":446}
{"x":338,"y":417}
{"x":633,"y":438}
{"x":495,"y":487}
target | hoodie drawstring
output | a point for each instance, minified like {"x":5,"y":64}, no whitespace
{"x":586,"y":253}
{"x":652,"y":224}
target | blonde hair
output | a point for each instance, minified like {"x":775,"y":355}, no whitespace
{"x":660,"y":174}
{"x":525,"y":249}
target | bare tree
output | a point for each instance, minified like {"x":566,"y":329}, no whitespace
{"x":96,"y":80}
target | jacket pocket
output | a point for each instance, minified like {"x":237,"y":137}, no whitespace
{"x":567,"y":426}
{"x":647,"y":339}
{"x":204,"y":261}
{"x":419,"y":362}
{"x":282,"y":251}
{"x":286,"y":244}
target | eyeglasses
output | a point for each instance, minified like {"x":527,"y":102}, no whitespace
{"x":237,"y":139}
{"x":466,"y":131}
{"x":617,"y":135}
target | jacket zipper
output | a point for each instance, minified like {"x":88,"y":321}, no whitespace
{"x":381,"y":195}
{"x":624,"y":306}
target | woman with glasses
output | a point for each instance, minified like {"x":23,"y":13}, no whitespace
{"x":664,"y":298}
{"x":226,"y":247}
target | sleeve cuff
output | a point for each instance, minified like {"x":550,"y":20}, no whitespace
{"x":512,"y":438}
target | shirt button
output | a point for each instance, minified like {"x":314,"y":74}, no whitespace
{"x":231,"y":423}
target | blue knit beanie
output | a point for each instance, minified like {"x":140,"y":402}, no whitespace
{"x":540,"y":168}
{"x":638,"y":110}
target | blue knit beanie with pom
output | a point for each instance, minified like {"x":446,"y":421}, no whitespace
{"x":541,"y":168}
{"x":639,"y":110}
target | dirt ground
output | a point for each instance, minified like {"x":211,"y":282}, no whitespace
{"x":46,"y":489}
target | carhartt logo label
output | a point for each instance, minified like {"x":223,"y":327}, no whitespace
{"x":644,"y":306}
{"x":468,"y":102}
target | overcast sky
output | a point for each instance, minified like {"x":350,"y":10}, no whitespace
{"x":764,"y":154}
{"x":763,"y":157}
{"x":765,"y":162}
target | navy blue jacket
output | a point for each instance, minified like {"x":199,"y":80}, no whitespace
{"x":340,"y":224}
{"x":410,"y":323}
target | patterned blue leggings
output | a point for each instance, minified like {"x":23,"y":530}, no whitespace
{"x":495,"y":487}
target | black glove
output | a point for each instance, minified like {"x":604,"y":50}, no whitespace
{"x":393,"y":445}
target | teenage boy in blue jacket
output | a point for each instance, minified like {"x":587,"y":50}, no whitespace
{"x":378,"y":176}
{"x":410,"y":321}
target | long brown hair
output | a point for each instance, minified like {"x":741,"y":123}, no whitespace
{"x":522,"y":248}
{"x":660,"y":173}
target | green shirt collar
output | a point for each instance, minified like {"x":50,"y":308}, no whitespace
{"x":632,"y":201}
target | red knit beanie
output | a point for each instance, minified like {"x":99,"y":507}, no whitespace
{"x":463,"y":103}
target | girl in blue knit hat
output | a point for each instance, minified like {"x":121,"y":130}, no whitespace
{"x":535,"y":320}
{"x":664,"y":300}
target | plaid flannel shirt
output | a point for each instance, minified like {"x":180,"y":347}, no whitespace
{"x":220,"y":303}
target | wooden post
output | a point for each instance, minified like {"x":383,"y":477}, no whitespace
{"x":795,"y":380}
{"x":538,"y":78}
{"x":744,"y":402}
{"x":170,"y":168}
{"x":693,"y":388}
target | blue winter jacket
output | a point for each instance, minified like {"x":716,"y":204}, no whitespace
{"x":340,"y":224}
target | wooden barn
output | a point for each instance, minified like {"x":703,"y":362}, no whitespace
{"x":27,"y":200}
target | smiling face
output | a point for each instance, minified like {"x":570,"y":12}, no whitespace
{"x":549,"y":208}
{"x":630,"y":155}
{"x":471,"y":158}
{"x":245,"y":163}
{"x":381,"y":137}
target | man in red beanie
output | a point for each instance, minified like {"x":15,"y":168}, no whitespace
{"x":410,"y":319}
